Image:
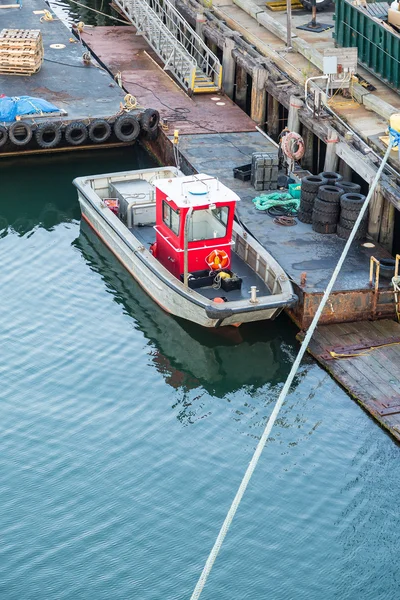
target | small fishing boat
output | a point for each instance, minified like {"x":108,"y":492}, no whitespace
{"x":178,"y":238}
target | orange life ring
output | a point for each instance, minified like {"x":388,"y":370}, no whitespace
{"x":217,"y":260}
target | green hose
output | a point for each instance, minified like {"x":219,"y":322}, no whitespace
{"x":266,"y":201}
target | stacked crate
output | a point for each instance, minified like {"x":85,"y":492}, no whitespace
{"x":21,"y":51}
{"x":264,"y":170}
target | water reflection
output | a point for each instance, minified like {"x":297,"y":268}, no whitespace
{"x":189,"y":356}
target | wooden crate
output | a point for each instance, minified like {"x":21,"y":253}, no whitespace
{"x":21,"y":51}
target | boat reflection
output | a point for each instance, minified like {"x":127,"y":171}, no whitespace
{"x":187,"y":355}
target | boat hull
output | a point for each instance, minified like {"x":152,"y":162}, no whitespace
{"x":163,"y":288}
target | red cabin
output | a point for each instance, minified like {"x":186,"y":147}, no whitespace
{"x":198,"y":210}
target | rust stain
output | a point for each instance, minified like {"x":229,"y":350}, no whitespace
{"x":51,"y":94}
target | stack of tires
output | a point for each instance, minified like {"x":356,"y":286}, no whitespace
{"x":325,"y":215}
{"x":309,"y":190}
{"x":350,"y":206}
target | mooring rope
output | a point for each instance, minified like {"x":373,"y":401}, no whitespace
{"x":263,"y":440}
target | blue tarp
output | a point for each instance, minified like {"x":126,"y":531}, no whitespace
{"x":23,"y":105}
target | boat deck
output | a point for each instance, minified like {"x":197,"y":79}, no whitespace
{"x":373,"y":378}
{"x":146,"y":235}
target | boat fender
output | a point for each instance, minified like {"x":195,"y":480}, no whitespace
{"x":127,"y":128}
{"x":20,"y":133}
{"x":3,"y":135}
{"x":99,"y":131}
{"x":150,"y":120}
{"x":153,"y":249}
{"x":76,"y":133}
{"x":48,"y":135}
{"x":217,"y":260}
{"x":220,"y":311}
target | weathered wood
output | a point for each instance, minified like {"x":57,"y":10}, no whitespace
{"x":241,"y":87}
{"x":331,"y":157}
{"x":307,"y":162}
{"x":386,"y":233}
{"x":295,"y":105}
{"x":228,"y":67}
{"x":356,"y":161}
{"x":372,"y":379}
{"x":375,"y":214}
{"x":259,"y":97}
{"x":273,"y":116}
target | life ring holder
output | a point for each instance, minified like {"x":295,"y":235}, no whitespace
{"x":218,"y":260}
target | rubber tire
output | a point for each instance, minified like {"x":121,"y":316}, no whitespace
{"x":69,"y":131}
{"x":349,"y":224}
{"x":306,"y":206}
{"x":107,"y":130}
{"x":14,"y":127}
{"x":351,"y":215}
{"x":304,"y":217}
{"x":320,"y":5}
{"x":344,"y":233}
{"x":124,"y":121}
{"x":311,"y":183}
{"x":307,"y":196}
{"x":326,"y":207}
{"x":331,"y":177}
{"x":348,"y":187}
{"x":41,"y":131}
{"x":321,"y":217}
{"x":3,"y":135}
{"x":352,"y":201}
{"x":329,"y":193}
{"x":150,"y":120}
{"x":323,"y":227}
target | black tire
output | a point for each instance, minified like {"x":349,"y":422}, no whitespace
{"x":20,"y":133}
{"x":349,"y":223}
{"x":344,"y":233}
{"x":322,"y":217}
{"x":321,"y":4}
{"x":76,"y":133}
{"x":331,"y":177}
{"x":329,"y":193}
{"x":48,"y":135}
{"x":150,"y":120}
{"x":352,"y":215}
{"x":352,"y":201}
{"x":326,"y":207}
{"x":311,"y":183}
{"x":324,"y":227}
{"x":3,"y":135}
{"x":127,"y":128}
{"x":307,"y":196}
{"x":348,"y":187}
{"x":304,"y":217}
{"x":99,"y":131}
{"x":306,"y":205}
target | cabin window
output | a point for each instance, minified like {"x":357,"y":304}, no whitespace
{"x":208,"y":223}
{"x":171,"y":218}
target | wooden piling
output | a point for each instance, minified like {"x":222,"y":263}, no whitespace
{"x":331,"y":157}
{"x":294,"y":118}
{"x":386,"y":233}
{"x":375,"y":214}
{"x":307,"y":162}
{"x":228,"y":67}
{"x":241,"y":88}
{"x":273,"y":117}
{"x":259,"y":96}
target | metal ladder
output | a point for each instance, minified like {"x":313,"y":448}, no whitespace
{"x":182,"y":51}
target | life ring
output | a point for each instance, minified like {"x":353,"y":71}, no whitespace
{"x":76,"y":133}
{"x":48,"y":135}
{"x":99,"y":131}
{"x":127,"y":128}
{"x":20,"y":133}
{"x":217,"y":260}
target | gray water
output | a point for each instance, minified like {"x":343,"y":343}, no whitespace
{"x":125,"y":433}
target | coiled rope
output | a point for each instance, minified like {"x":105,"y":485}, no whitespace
{"x":282,"y":396}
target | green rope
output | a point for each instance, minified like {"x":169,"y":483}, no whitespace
{"x":266,"y":201}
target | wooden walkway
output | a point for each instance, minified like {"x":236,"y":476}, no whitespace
{"x":372,"y":378}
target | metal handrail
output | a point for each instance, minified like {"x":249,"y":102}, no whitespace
{"x":172,"y":38}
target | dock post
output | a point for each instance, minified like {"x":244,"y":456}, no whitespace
{"x":241,"y":88}
{"x":293,"y":118}
{"x":375,"y":214}
{"x":307,"y":162}
{"x":228,"y":67}
{"x":331,"y":158}
{"x":259,"y":96}
{"x":200,"y":19}
{"x":273,"y":117}
{"x":386,"y":233}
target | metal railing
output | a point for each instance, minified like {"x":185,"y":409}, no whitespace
{"x":183,"y":52}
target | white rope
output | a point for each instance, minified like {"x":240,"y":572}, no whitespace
{"x":263,"y":440}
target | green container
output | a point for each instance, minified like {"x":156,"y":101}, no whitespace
{"x":378,"y":48}
{"x":295,"y":190}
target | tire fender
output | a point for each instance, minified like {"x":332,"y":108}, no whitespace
{"x":76,"y":133}
{"x":20,"y":133}
{"x":48,"y":135}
